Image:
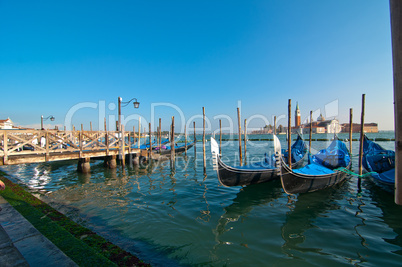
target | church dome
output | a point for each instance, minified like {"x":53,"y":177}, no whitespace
{"x":321,"y":118}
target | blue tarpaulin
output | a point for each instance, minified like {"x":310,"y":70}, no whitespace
{"x":298,"y":150}
{"x":326,"y":160}
{"x":314,"y":169}
{"x":379,"y":160}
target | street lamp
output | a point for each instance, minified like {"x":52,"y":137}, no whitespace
{"x":44,"y":119}
{"x":136,"y":105}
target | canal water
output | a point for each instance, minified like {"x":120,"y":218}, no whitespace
{"x":183,"y":217}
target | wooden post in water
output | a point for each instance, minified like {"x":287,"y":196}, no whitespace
{"x":350,"y":129}
{"x":396,"y":28}
{"x":157,"y":136}
{"x":220,"y":136}
{"x":129,"y":144}
{"x":160,"y":135}
{"x":275,"y":125}
{"x":185,"y":139}
{"x":290,"y":134}
{"x":123,"y":149}
{"x":311,"y":132}
{"x":239,"y":123}
{"x":172,"y":142}
{"x":104,"y":122}
{"x":195,"y":140}
{"x":139,"y":132}
{"x":82,"y":127}
{"x":361,"y":137}
{"x":150,"y":143}
{"x":90,"y":125}
{"x":245,"y":141}
{"x":203,"y":139}
{"x":133,"y":135}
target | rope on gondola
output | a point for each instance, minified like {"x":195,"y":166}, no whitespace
{"x":342,"y":169}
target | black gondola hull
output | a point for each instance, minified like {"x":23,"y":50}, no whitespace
{"x":294,"y":183}
{"x":243,"y":176}
{"x":232,"y":176}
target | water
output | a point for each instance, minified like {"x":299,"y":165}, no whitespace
{"x":183,"y":217}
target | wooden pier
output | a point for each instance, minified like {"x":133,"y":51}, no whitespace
{"x":34,"y":146}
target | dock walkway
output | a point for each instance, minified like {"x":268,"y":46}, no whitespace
{"x":34,"y":146}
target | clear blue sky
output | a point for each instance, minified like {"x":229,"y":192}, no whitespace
{"x":57,"y":54}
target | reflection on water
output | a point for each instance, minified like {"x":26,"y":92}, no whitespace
{"x":302,"y":216}
{"x":390,"y":214}
{"x":179,"y":215}
{"x":245,"y":200}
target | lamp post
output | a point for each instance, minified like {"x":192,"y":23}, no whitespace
{"x":44,"y":119}
{"x":136,"y":105}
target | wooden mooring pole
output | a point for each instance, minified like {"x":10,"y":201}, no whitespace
{"x":245,"y":141}
{"x":203,"y":139}
{"x":396,"y":34}
{"x":195,"y":140}
{"x":220,"y":136}
{"x":133,"y":135}
{"x":361,"y":137}
{"x":122,"y":146}
{"x":290,"y":133}
{"x":172,"y":142}
{"x":139,"y":132}
{"x":239,"y":123}
{"x":311,"y":132}
{"x":150,"y":143}
{"x":275,"y":125}
{"x":160,"y":135}
{"x":185,"y":140}
{"x":350,"y":129}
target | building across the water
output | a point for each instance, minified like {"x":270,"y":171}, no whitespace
{"x":322,"y":126}
{"x":368,"y":127}
{"x":6,"y":124}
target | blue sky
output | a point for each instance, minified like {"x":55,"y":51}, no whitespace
{"x":56,"y":55}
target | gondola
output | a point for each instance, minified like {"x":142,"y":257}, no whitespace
{"x":177,"y":149}
{"x":325,"y":169}
{"x":380,"y":163}
{"x":154,"y":144}
{"x":258,"y":172}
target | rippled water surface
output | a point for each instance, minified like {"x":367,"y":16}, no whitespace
{"x":183,"y":216}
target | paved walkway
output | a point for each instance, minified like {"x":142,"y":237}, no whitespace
{"x":21,"y":244}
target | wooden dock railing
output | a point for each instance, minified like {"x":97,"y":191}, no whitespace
{"x":30,"y":146}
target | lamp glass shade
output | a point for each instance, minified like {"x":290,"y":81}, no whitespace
{"x":136,"y":104}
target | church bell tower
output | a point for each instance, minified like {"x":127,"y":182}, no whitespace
{"x":297,"y":116}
